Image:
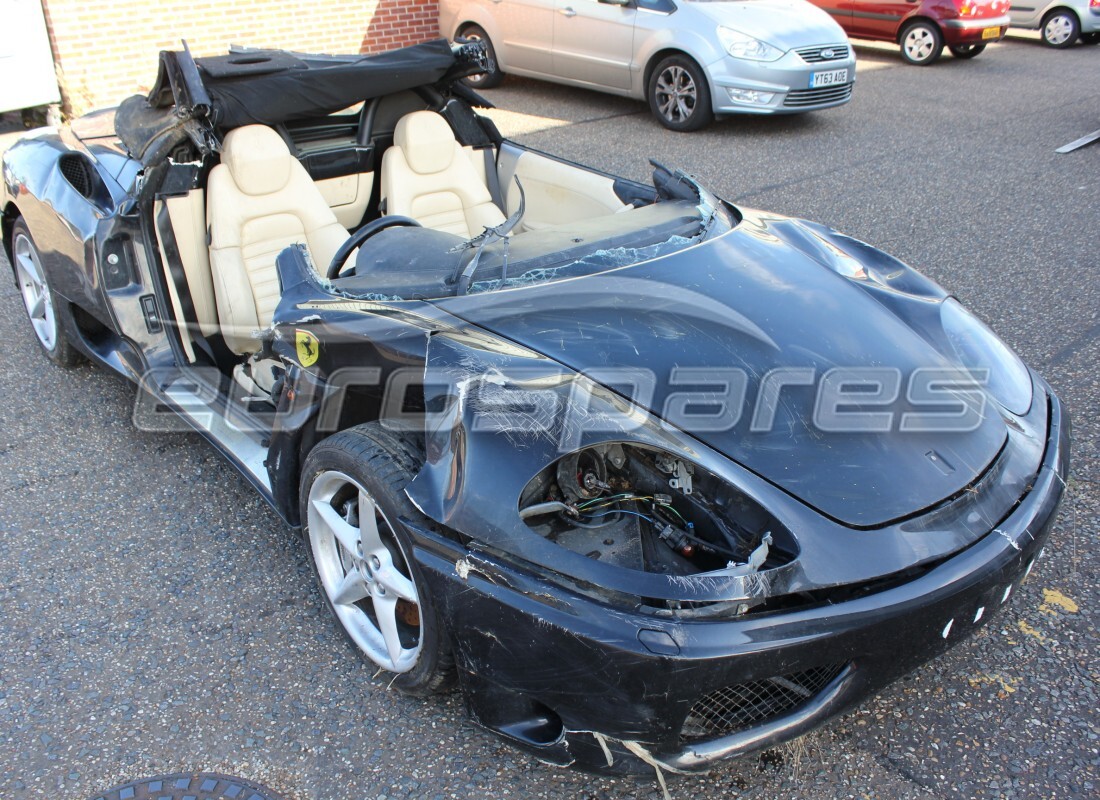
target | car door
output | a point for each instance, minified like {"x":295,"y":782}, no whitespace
{"x":594,"y":41}
{"x":1026,"y":13}
{"x":840,"y":10}
{"x":879,"y":19}
{"x":526,"y":31}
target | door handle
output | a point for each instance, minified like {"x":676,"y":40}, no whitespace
{"x":567,"y":11}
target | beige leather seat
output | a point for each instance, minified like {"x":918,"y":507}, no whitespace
{"x":427,"y":176}
{"x":260,"y":200}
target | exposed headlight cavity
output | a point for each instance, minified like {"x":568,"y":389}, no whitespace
{"x":741,"y":45}
{"x":979,"y":349}
{"x":646,"y":509}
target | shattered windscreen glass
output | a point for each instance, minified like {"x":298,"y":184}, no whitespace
{"x":409,"y":263}
{"x":599,"y":261}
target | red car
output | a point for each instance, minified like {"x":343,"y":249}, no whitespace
{"x":923,"y":27}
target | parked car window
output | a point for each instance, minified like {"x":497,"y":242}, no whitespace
{"x":664,"y":6}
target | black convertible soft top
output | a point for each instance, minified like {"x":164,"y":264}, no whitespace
{"x":270,"y":87}
{"x":273,"y":86}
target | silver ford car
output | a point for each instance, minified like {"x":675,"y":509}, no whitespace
{"x":691,"y":59}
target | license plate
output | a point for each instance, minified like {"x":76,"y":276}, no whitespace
{"x":991,"y":33}
{"x":828,"y":78}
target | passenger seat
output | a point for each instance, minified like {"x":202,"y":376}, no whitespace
{"x":427,"y":176}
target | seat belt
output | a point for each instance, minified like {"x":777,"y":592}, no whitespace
{"x":174,"y":265}
{"x":492,"y":179}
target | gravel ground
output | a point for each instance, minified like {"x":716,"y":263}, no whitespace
{"x":157,"y":617}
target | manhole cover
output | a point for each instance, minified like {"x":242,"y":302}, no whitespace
{"x":199,"y":786}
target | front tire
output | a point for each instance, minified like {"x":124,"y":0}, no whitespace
{"x":40,"y":301}
{"x":482,"y":80}
{"x":679,"y":95}
{"x":967,"y":50}
{"x":352,"y":497}
{"x":1060,"y":28}
{"x":921,"y":43}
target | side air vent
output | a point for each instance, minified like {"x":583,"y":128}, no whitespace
{"x":744,"y":705}
{"x":77,"y":172}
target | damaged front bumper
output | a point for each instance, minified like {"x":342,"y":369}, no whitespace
{"x":584,"y":683}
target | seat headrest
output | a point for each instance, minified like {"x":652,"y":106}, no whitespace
{"x":426,"y":140}
{"x":257,"y":158}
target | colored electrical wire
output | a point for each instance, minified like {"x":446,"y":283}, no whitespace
{"x":624,"y":511}
{"x":677,"y":513}
{"x":614,"y":497}
{"x":613,"y":501}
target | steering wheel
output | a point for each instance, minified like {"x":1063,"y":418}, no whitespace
{"x":364,"y":233}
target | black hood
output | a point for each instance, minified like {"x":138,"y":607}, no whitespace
{"x":759,"y":298}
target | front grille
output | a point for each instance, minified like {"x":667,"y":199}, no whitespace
{"x":800,"y":98}
{"x":813,"y":55}
{"x":743,"y":705}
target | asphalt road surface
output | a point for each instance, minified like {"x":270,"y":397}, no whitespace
{"x":157,"y":616}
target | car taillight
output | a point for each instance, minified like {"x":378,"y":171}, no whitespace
{"x":1094,"y":4}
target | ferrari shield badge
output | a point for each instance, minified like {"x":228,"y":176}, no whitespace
{"x":308,"y":347}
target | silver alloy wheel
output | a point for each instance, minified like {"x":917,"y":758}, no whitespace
{"x":1058,"y":29}
{"x":364,"y":572}
{"x":35,"y":291}
{"x":676,"y":93}
{"x":919,"y":43}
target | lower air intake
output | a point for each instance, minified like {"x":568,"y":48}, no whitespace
{"x":744,"y":705}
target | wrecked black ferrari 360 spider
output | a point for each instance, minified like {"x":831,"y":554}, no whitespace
{"x":658,"y":479}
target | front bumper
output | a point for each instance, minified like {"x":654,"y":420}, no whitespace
{"x":546,"y":668}
{"x":973,"y":31}
{"x":783,"y":86}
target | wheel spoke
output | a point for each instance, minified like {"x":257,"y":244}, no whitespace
{"x":26,"y":263}
{"x":346,"y":533}
{"x":368,"y":525}
{"x":350,"y":590}
{"x":394,"y":582}
{"x":38,"y":309}
{"x":385,"y":610}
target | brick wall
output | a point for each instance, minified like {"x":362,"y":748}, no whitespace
{"x":107,"y":50}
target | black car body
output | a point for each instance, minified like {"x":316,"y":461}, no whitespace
{"x":682,"y":480}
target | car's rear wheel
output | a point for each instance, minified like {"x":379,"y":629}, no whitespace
{"x":679,"y":95}
{"x":1060,"y":28}
{"x":967,"y":50}
{"x":39,"y":300}
{"x":921,"y":43}
{"x":482,"y":80}
{"x":352,"y":496}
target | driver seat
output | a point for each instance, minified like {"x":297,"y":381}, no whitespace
{"x":260,"y":200}
{"x":426,"y":175}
